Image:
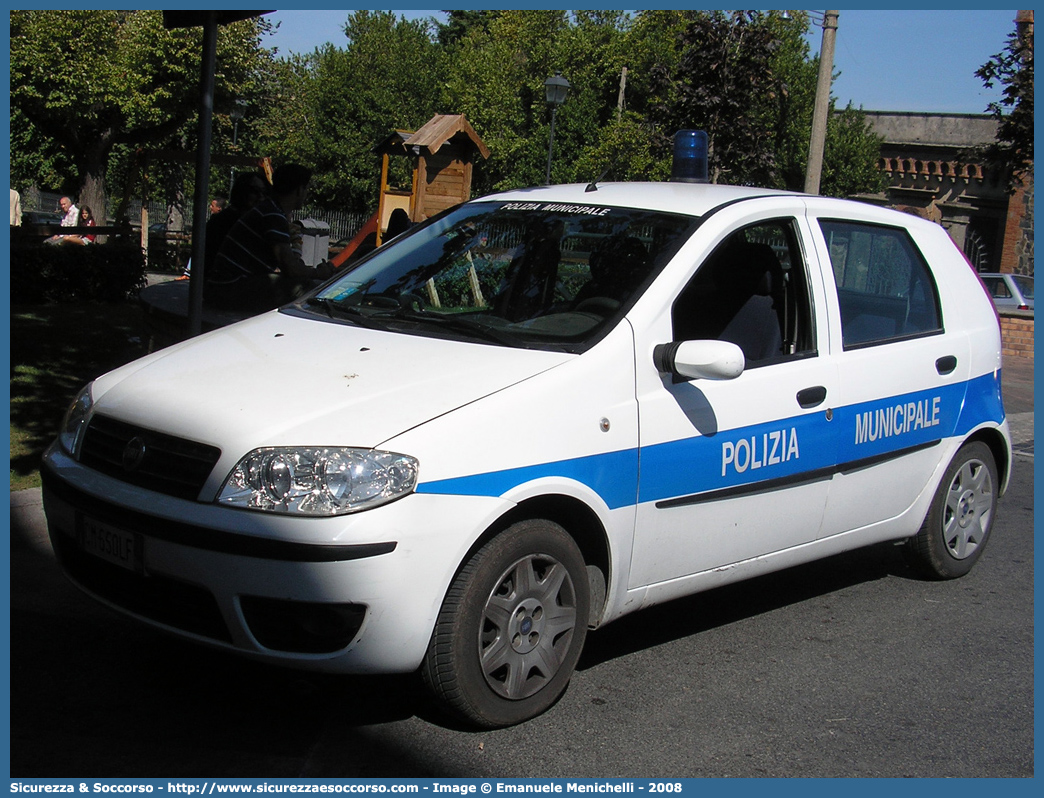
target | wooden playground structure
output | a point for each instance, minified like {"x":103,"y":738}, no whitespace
{"x":443,"y":152}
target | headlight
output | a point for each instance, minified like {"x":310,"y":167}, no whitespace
{"x":75,"y":422}
{"x":318,"y":481}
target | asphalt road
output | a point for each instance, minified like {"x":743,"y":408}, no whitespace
{"x":846,"y":667}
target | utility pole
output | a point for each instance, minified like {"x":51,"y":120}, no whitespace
{"x":822,"y":109}
{"x":620,"y":97}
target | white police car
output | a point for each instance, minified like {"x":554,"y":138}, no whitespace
{"x":532,"y":415}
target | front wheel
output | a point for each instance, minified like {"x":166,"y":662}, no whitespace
{"x":511,"y":629}
{"x":960,"y":519}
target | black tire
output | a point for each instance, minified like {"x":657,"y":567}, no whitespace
{"x":511,"y":629}
{"x":955,"y":531}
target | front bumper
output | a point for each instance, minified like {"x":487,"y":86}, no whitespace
{"x":349,"y":594}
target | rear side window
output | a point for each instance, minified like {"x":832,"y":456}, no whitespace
{"x":885,"y":289}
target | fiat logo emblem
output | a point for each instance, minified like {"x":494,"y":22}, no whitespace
{"x":133,"y":453}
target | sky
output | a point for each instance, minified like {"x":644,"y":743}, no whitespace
{"x":888,"y":60}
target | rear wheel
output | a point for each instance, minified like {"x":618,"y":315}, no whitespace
{"x":959,"y":522}
{"x":511,"y":628}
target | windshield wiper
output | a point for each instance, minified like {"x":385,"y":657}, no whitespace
{"x":339,"y":310}
{"x":456,"y":323}
{"x":318,"y":301}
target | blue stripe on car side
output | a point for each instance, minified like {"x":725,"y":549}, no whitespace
{"x":749,"y":455}
{"x":613,"y":476}
{"x":983,"y":403}
{"x":736,"y":457}
{"x":875,"y":428}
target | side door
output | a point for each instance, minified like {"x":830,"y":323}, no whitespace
{"x":736,"y":469}
{"x":902,"y":372}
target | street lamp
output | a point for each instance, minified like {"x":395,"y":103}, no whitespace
{"x":238,"y":112}
{"x":557,"y":88}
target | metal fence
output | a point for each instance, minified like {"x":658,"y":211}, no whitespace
{"x":47,"y":201}
{"x":343,"y":225}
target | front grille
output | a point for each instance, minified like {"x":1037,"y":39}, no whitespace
{"x":148,"y":459}
{"x":164,"y":600}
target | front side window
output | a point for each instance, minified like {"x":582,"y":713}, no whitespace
{"x":528,"y":274}
{"x":751,"y":291}
{"x":885,"y":289}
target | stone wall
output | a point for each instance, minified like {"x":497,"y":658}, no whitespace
{"x":1017,"y":336}
{"x":1017,"y":255}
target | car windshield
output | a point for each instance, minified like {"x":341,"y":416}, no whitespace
{"x":528,"y":274}
{"x":1025,"y":286}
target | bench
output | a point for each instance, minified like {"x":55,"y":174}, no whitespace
{"x":41,"y":232}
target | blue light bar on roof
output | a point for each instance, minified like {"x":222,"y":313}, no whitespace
{"x":690,"y":157}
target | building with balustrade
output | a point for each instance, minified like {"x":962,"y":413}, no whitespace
{"x":934,"y":170}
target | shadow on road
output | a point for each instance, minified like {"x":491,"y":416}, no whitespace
{"x":95,"y":694}
{"x":725,"y":605}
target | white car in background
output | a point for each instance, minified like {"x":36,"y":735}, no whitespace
{"x":1009,"y":291}
{"x":532,"y":415}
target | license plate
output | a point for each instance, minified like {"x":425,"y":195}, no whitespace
{"x":109,"y":543}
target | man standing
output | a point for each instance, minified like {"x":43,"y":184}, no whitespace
{"x":247,"y":190}
{"x":256,"y":267}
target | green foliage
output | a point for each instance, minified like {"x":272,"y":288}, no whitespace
{"x":1013,"y":69}
{"x":336,"y":104}
{"x":790,"y":110}
{"x":748,"y":80}
{"x":89,"y":88}
{"x":506,"y":105}
{"x":85,"y":82}
{"x":623,"y":150}
{"x":851,"y":156}
{"x":42,"y":273}
{"x":460,"y":22}
{"x":722,"y":84}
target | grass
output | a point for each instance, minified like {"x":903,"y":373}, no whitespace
{"x":55,"y":350}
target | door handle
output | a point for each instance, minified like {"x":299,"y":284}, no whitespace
{"x":810,"y":397}
{"x":946,"y":365}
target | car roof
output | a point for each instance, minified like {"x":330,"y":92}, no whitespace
{"x":695,"y":199}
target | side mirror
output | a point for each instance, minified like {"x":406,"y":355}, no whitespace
{"x":706,"y":360}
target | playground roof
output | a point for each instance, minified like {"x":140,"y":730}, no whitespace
{"x":439,"y":130}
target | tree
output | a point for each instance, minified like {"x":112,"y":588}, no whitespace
{"x":330,"y":108}
{"x":789,"y":109}
{"x":461,"y":22}
{"x":747,"y":79}
{"x":1013,"y":69}
{"x":721,"y":84}
{"x":852,"y":153}
{"x":589,"y":134}
{"x":507,"y":105}
{"x":86,"y":82}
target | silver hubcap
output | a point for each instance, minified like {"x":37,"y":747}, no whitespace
{"x":527,"y":625}
{"x":969,"y":507}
